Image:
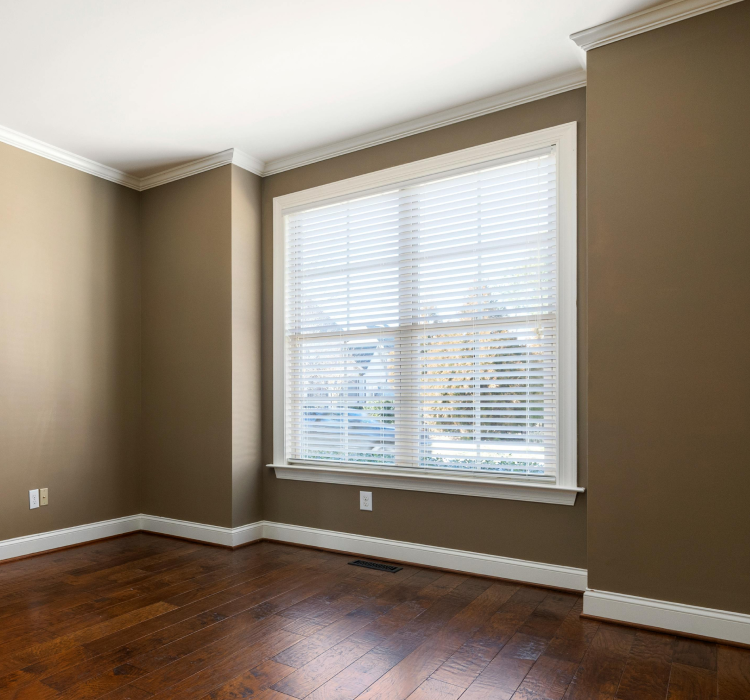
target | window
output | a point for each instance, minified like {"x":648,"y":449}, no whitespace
{"x":425,"y":321}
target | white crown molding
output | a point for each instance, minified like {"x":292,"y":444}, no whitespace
{"x":231,"y":155}
{"x":40,"y":148}
{"x":194,"y":167}
{"x":505,"y":100}
{"x":587,"y":39}
{"x":645,"y":21}
{"x":662,"y":614}
{"x":247,"y":162}
{"x":44,"y":541}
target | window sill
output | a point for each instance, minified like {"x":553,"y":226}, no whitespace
{"x":486,"y":487}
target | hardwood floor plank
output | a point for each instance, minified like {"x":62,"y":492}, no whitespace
{"x":209,"y":623}
{"x":547,"y":617}
{"x":506,"y":672}
{"x":128,"y":692}
{"x":214,"y":676}
{"x":551,"y":675}
{"x":383,"y":598}
{"x":246,"y":627}
{"x":102,"y":684}
{"x":646,"y":674}
{"x":14,"y":681}
{"x":70,"y":675}
{"x":305,"y":627}
{"x":691,"y":683}
{"x":89,"y":634}
{"x":321,"y":669}
{"x":432,"y":689}
{"x":250,"y":683}
{"x":269,"y":694}
{"x":435,"y":605}
{"x":598,"y":676}
{"x":415,"y":668}
{"x":247,"y":594}
{"x":63,"y":626}
{"x":695,"y":652}
{"x":548,"y":679}
{"x":733,"y":673}
{"x":578,"y":629}
{"x":162,"y":672}
{"x":308,"y":678}
{"x":465,"y":665}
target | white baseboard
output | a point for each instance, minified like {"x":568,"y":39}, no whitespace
{"x":676,"y":617}
{"x":425,"y":555}
{"x":420,"y":554}
{"x":226,"y":536}
{"x":44,"y":541}
{"x":55,"y":539}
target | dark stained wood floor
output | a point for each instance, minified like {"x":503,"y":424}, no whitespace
{"x":149,"y":617}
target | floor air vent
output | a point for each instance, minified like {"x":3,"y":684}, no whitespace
{"x":376,"y":566}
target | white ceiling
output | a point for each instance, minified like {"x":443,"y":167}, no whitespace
{"x":144,"y":85}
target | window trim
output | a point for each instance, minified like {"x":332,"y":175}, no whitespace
{"x":564,"y":491}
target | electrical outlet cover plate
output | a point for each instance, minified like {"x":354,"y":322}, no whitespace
{"x":365,"y":500}
{"x":34,"y":498}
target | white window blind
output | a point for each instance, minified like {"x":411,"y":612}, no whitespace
{"x":421,"y":324}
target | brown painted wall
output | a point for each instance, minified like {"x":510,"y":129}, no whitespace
{"x":533,"y":531}
{"x":69,"y":345}
{"x":187,"y":349}
{"x":669,"y":303}
{"x":247,"y":456}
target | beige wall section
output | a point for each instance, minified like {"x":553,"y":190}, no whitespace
{"x":247,"y":456}
{"x":669,"y":303}
{"x":69,"y":345}
{"x":532,"y":531}
{"x":187,"y":349}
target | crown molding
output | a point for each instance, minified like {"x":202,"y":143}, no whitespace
{"x":247,"y":162}
{"x":46,"y":150}
{"x":194,"y":167}
{"x":645,"y":21}
{"x":505,"y":100}
{"x":40,"y":148}
{"x":591,"y":38}
{"x":231,"y":155}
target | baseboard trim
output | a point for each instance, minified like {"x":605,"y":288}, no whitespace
{"x":437,"y":557}
{"x":690,"y":620}
{"x":198,"y":532}
{"x":19,"y":547}
{"x":423,"y":555}
{"x":706,"y":623}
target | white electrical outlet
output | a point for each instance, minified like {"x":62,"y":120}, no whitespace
{"x":365,"y":500}
{"x":34,"y":498}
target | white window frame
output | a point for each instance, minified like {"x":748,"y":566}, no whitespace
{"x":565,"y":490}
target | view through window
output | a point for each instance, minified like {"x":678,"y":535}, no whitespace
{"x":421,"y":324}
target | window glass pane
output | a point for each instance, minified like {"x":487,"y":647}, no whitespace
{"x":342,"y":406}
{"x":421,"y":324}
